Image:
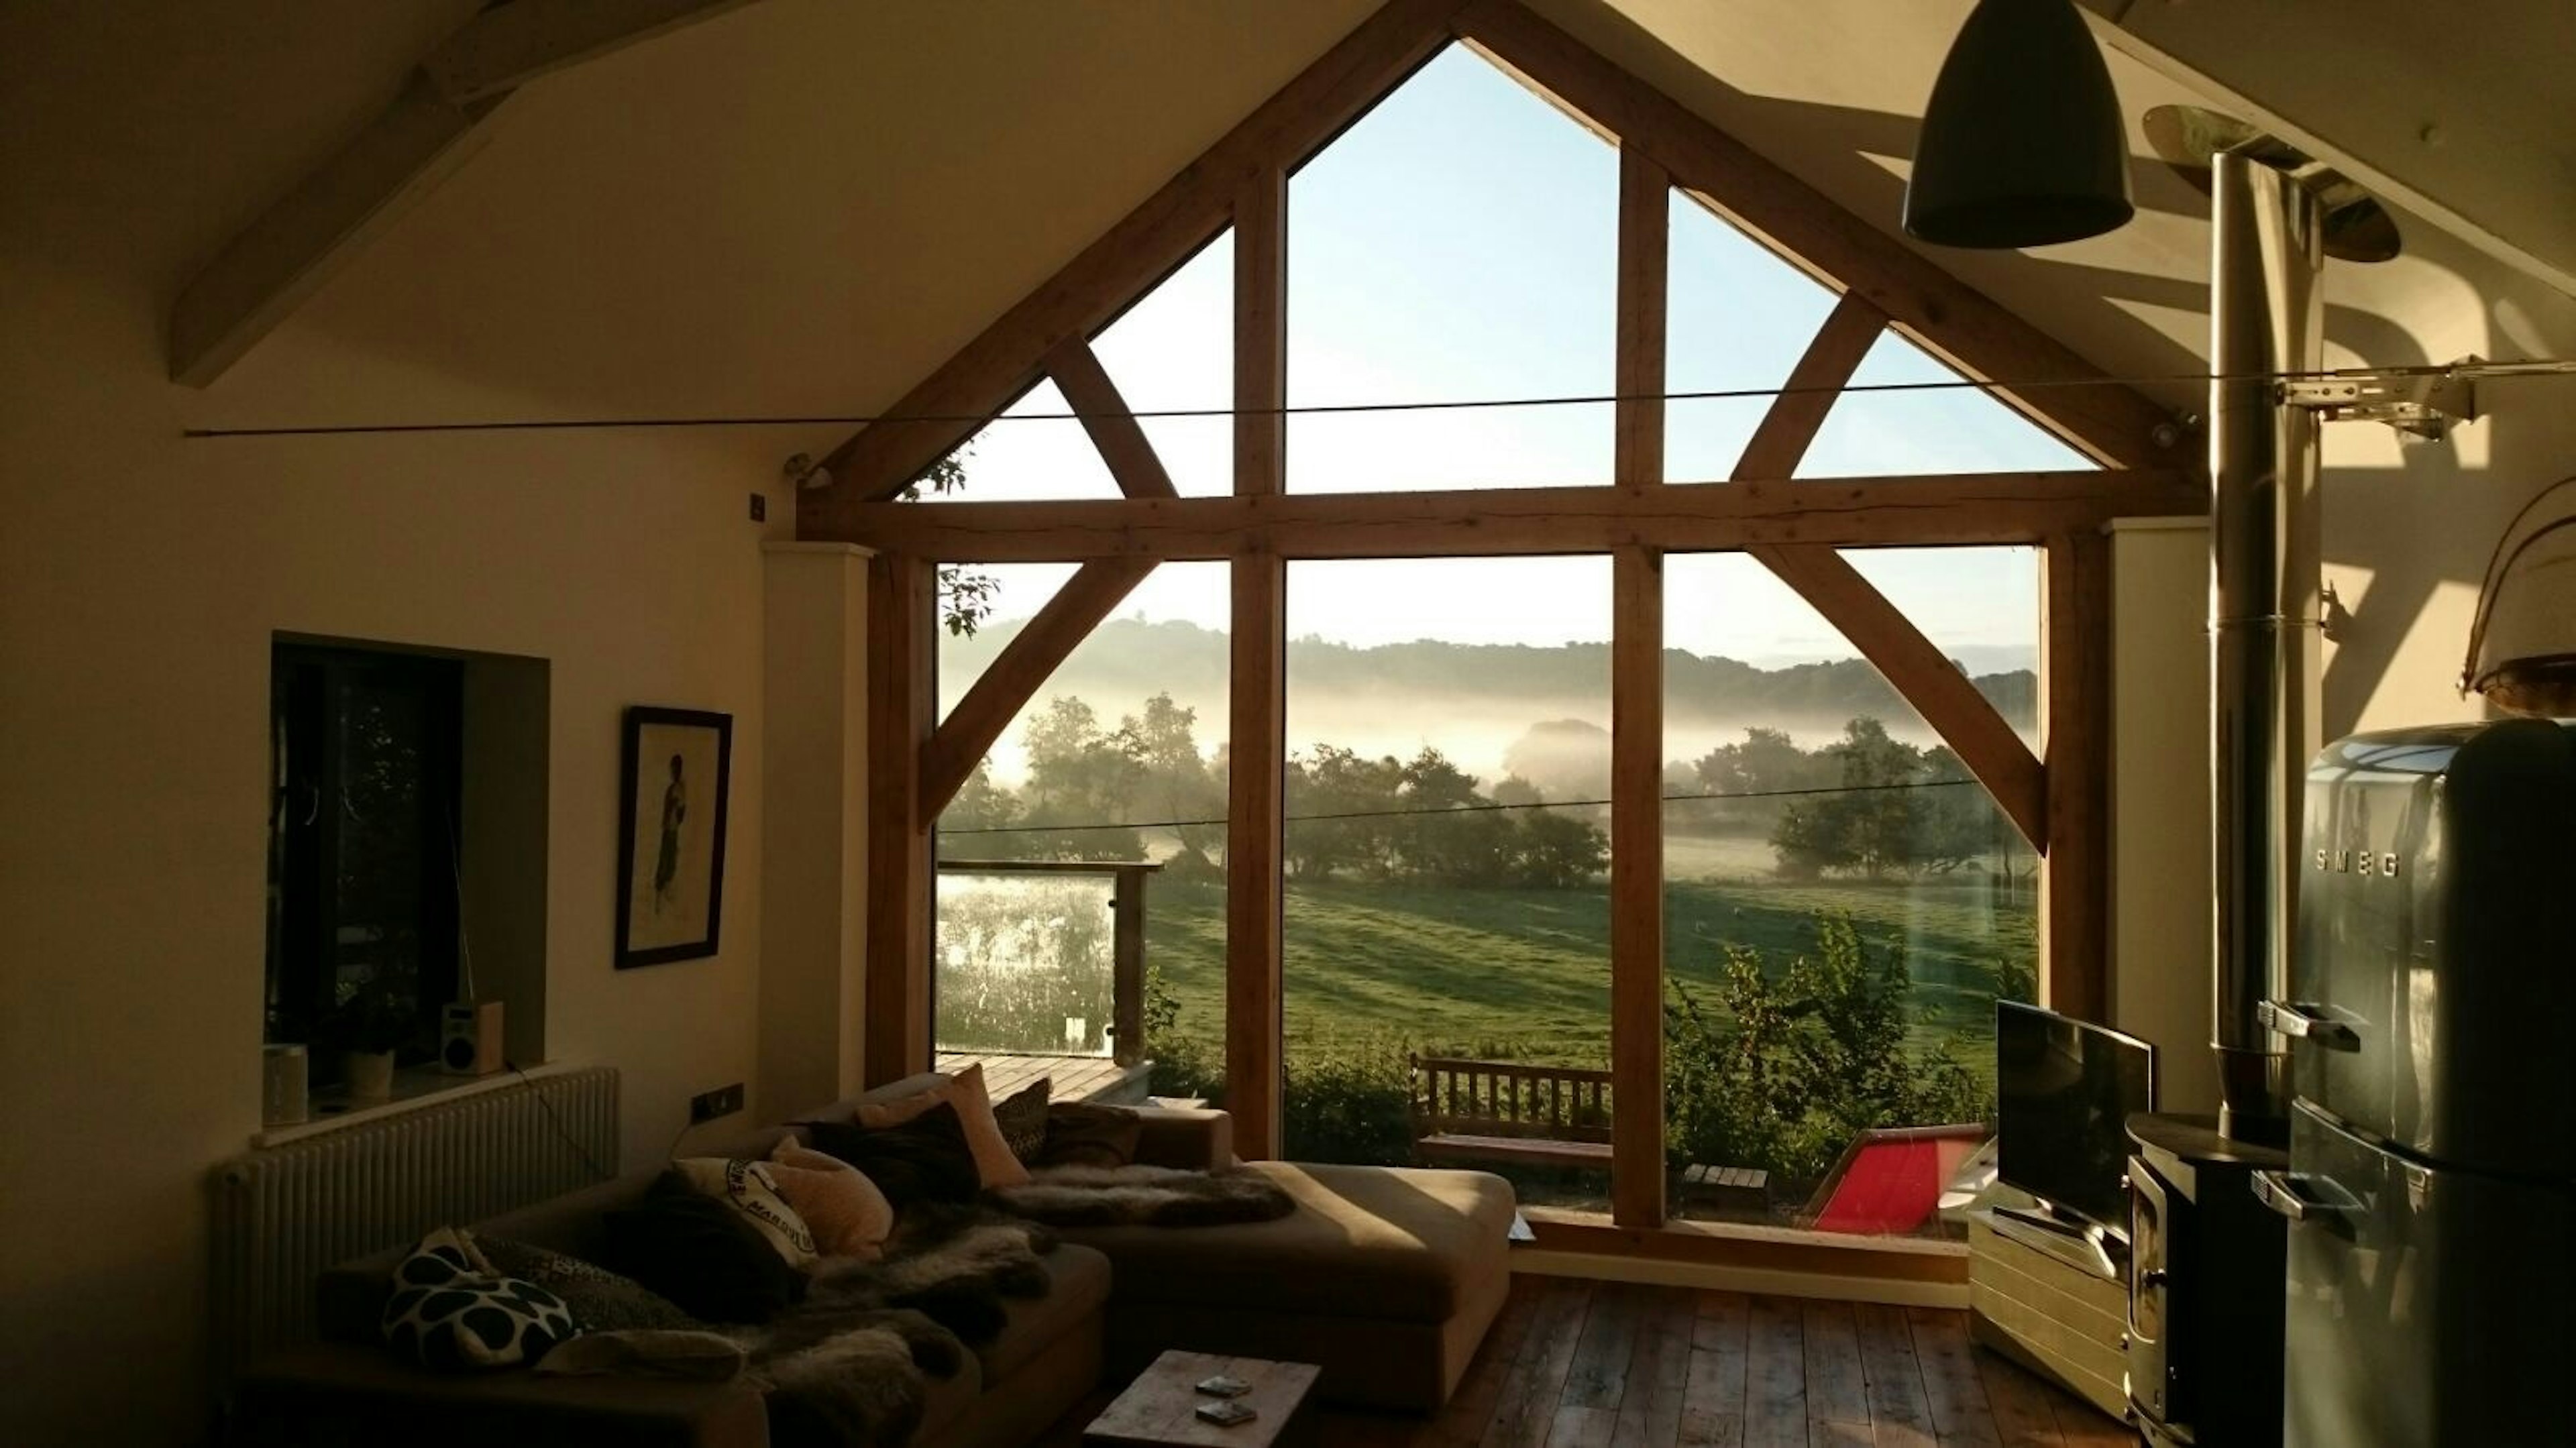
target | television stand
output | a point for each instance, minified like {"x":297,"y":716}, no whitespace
{"x":2081,"y":1243}
{"x":2051,"y":1295}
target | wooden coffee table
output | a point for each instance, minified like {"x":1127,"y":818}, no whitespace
{"x":1159,"y":1409}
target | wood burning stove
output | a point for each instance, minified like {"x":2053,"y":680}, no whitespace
{"x":2204,"y":1338}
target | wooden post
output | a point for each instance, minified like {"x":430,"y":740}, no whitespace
{"x":2075,"y":689}
{"x":1127,"y":966}
{"x":1637,"y":889}
{"x":1257,"y":743}
{"x":1637,"y":715}
{"x":902,"y":608}
{"x":1645,"y":246}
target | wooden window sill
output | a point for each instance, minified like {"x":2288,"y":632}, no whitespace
{"x":415,"y":1087}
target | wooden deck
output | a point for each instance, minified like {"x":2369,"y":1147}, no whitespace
{"x":1074,"y":1078}
{"x":1576,"y":1364}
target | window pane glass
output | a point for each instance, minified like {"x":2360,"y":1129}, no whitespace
{"x":1174,"y":351}
{"x":1460,"y":243}
{"x":1948,"y":430}
{"x":1032,"y":452}
{"x":1117,"y":760}
{"x":1446,"y":855}
{"x":1843,"y":904}
{"x":1024,"y":963}
{"x":1739,"y":318}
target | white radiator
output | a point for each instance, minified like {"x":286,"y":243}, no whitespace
{"x":283,"y":1213}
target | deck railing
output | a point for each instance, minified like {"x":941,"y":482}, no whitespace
{"x":1024,"y":963}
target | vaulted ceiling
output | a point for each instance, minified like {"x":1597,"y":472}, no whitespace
{"x":805,"y":205}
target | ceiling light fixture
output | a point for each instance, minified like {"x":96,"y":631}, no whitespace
{"x":2022,"y":144}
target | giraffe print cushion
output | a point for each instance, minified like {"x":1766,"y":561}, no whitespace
{"x":450,"y":1311}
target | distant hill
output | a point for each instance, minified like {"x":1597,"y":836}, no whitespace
{"x":1128,"y":659}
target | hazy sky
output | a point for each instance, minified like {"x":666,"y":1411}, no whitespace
{"x":1460,"y":243}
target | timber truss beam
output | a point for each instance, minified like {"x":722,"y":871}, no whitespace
{"x":1920,"y":511}
{"x":277,"y":262}
{"x":1006,"y":685}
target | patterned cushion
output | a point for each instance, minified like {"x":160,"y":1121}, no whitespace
{"x":748,"y":1188}
{"x":600,"y":1300}
{"x":1023,"y":1121}
{"x":450,"y":1311}
{"x":1081,"y":1134}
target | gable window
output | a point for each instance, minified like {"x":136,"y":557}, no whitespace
{"x":1665,"y":365}
{"x":364,"y":857}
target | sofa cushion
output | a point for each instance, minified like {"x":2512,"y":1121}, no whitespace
{"x":451,"y":1311}
{"x":748,"y":1188}
{"x":847,"y":1214}
{"x":1022,"y":1119}
{"x":1079,"y":1133}
{"x":701,"y":1254}
{"x":965,"y":1093}
{"x":1079,"y":1283}
{"x":1365,"y":1241}
{"x":923,"y":1160}
{"x":600,"y":1300}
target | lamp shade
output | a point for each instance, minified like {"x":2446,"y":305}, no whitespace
{"x":2022,"y":144}
{"x":2522,"y":642}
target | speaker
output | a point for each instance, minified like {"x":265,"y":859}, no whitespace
{"x":469,"y":1038}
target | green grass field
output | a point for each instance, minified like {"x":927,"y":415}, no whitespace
{"x":1513,"y":973}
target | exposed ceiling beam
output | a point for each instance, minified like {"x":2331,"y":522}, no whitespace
{"x":1965,"y":508}
{"x":277,"y":262}
{"x":507,"y":46}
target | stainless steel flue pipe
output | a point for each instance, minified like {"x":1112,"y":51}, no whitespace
{"x":2266,"y":318}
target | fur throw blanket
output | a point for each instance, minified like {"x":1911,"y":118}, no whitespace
{"x":1151,"y":1196}
{"x":847,"y":1367}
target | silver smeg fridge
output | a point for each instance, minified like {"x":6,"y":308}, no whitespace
{"x":2432,"y":1181}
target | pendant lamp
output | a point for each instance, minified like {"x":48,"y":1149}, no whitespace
{"x":2022,"y":144}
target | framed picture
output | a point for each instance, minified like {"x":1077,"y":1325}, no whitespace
{"x":671,"y":834}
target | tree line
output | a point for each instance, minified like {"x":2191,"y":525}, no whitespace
{"x":1866,"y":805}
{"x":1423,"y":820}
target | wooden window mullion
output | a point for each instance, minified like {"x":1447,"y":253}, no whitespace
{"x":1637,"y":713}
{"x":1257,"y":745}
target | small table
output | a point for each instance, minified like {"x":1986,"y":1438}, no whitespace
{"x":1159,"y":1409}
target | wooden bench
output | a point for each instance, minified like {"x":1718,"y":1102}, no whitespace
{"x":1745,"y":1190}
{"x":1510,"y":1111}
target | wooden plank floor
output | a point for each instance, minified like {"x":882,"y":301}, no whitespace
{"x":1576,"y":1364}
{"x":1072,"y":1078}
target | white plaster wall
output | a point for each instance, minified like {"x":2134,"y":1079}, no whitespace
{"x":2408,"y":530}
{"x":141,"y":580}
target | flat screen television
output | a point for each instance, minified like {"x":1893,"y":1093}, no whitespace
{"x":2064,"y":1090}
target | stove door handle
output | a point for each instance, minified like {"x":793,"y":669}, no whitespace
{"x":2302,"y":1198}
{"x":2304,"y":1021}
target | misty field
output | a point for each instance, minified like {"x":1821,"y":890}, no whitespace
{"x":1525,"y":974}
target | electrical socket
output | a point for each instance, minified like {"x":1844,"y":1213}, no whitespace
{"x":708,"y":1105}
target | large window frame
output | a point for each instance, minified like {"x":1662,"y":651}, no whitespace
{"x":2056,"y":796}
